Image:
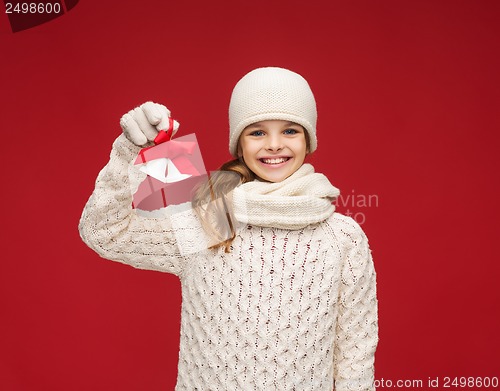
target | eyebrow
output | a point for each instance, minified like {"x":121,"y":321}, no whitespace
{"x":258,"y":124}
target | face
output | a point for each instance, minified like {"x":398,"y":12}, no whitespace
{"x":273,"y":149}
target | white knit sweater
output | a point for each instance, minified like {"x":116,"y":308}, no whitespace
{"x":287,"y":309}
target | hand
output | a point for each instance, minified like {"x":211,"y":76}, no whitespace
{"x":142,"y":124}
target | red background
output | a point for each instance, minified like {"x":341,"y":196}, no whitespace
{"x":408,"y":99}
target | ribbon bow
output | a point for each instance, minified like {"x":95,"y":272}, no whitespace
{"x":167,"y":162}
{"x":165,"y":135}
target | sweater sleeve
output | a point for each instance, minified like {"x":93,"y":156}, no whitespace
{"x":357,"y":322}
{"x":111,"y":227}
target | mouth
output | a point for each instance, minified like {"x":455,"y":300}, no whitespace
{"x":274,"y":161}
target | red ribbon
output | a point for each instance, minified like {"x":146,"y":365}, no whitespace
{"x":171,"y":150}
{"x":165,"y":135}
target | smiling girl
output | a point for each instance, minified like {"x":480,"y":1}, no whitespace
{"x":287,"y":301}
{"x":273,"y":150}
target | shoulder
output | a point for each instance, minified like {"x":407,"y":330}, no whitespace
{"x":344,"y":228}
{"x":347,"y":237}
{"x":352,"y":242}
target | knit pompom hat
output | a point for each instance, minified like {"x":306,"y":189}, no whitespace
{"x":271,"y":94}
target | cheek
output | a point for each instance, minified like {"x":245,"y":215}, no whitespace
{"x":248,"y":148}
{"x":300,"y":148}
{"x":241,"y":148}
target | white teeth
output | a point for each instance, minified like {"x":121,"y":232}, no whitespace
{"x":275,"y":161}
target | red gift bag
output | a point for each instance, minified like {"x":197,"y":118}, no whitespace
{"x":174,"y":168}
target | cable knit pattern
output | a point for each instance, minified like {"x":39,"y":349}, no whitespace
{"x":285,"y":310}
{"x":113,"y":229}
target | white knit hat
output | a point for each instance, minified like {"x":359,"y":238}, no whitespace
{"x":271,"y":94}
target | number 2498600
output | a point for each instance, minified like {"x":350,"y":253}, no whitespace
{"x":33,"y":8}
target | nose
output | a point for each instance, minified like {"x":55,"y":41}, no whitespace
{"x":274,"y":143}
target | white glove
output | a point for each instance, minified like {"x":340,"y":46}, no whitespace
{"x":142,"y":124}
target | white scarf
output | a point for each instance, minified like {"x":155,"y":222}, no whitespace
{"x":304,"y":198}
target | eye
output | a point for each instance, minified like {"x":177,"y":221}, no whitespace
{"x":291,"y":131}
{"x":257,"y":133}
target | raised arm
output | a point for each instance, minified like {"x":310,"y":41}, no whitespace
{"x":113,"y":229}
{"x":357,"y":322}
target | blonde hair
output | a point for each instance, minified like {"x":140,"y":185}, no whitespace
{"x":212,"y":202}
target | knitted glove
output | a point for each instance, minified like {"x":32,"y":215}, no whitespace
{"x":141,"y":125}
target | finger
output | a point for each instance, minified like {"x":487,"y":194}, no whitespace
{"x":155,"y":112}
{"x":165,"y":115}
{"x":149,"y":130}
{"x":131,"y":129}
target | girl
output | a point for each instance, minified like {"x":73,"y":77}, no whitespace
{"x":287,"y":301}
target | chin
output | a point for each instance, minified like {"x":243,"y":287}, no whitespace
{"x":274,"y":178}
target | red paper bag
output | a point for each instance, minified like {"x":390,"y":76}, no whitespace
{"x":174,"y":168}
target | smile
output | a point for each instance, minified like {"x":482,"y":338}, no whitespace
{"x":275,"y":160}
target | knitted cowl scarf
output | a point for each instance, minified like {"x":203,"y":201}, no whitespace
{"x":304,"y":198}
